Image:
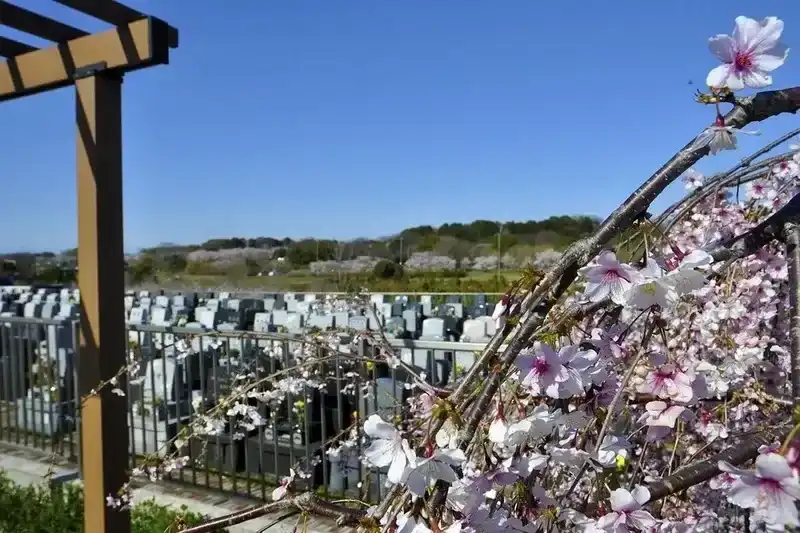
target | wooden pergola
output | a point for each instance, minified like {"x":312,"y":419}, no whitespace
{"x":94,"y":64}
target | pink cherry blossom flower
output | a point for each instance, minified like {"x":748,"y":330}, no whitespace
{"x":627,"y":512}
{"x":749,"y":55}
{"x":543,"y":370}
{"x":786,"y":169}
{"x":668,"y":382}
{"x":660,"y":414}
{"x":771,"y":491}
{"x":608,"y":278}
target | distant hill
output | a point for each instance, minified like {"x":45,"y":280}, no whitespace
{"x":463,"y":243}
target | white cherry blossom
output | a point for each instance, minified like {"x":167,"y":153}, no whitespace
{"x":749,"y":55}
{"x":389,"y":448}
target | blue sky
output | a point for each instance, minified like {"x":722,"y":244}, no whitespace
{"x":353,"y":118}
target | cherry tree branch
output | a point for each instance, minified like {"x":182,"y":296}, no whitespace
{"x":792,"y":231}
{"x":724,"y":179}
{"x":554,"y":283}
{"x":307,"y":502}
{"x":769,"y":230}
{"x":701,"y":471}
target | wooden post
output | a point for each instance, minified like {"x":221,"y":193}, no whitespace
{"x":103,"y":346}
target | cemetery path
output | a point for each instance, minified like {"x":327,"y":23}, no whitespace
{"x":29,"y":467}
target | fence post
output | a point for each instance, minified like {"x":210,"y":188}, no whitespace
{"x":103,"y":350}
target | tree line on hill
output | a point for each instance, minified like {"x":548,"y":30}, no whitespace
{"x":250,"y":256}
{"x":457,"y":240}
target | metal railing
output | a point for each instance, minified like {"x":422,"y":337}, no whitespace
{"x":185,"y":376}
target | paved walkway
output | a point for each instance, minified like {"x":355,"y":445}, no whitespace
{"x":27,"y":467}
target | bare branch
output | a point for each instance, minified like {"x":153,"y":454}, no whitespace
{"x":307,"y":502}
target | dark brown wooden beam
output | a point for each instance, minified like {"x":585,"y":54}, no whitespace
{"x":11,"y":48}
{"x":35,"y":24}
{"x":123,"y":49}
{"x":114,"y":13}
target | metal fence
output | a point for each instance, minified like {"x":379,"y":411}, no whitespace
{"x":266,"y":431}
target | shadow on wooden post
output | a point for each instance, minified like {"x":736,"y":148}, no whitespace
{"x":104,"y":438}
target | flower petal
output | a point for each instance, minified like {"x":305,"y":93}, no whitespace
{"x":376,"y":428}
{"x":719,"y":76}
{"x":724,"y":47}
{"x":773,"y":466}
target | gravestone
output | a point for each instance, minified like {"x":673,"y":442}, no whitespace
{"x":491,"y":326}
{"x":311,"y":297}
{"x":146,"y":302}
{"x":474,"y":331}
{"x":129,"y":301}
{"x":67,"y":310}
{"x":163,"y":405}
{"x":427,"y":304}
{"x":376,"y":299}
{"x":144,"y":294}
{"x":452,"y":329}
{"x":294,"y":323}
{"x":32,"y":310}
{"x":433,"y":329}
{"x":322,"y":322}
{"x":384,"y":309}
{"x":291,"y":305}
{"x":411,"y":319}
{"x":179,"y":301}
{"x":205,"y":316}
{"x":138,"y":316}
{"x":358,"y":323}
{"x":269,"y":304}
{"x":341,"y":319}
{"x":162,"y":301}
{"x":280,"y":318}
{"x":453,"y":299}
{"x":261,"y":322}
{"x":161,"y":316}
{"x":233,"y":304}
{"x":396,"y":309}
{"x":51,"y":298}
{"x":212,"y":304}
{"x":49,"y":310}
{"x":224,"y":296}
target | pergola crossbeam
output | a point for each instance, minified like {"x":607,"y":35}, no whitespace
{"x":114,"y":13}
{"x":136,"y":45}
{"x":11,"y":48}
{"x":35,"y":24}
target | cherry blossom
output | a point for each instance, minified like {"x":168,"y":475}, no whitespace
{"x":627,"y":512}
{"x":719,"y":137}
{"x":424,"y":473}
{"x":668,"y":382}
{"x":389,"y":448}
{"x":749,"y":55}
{"x":771,"y":490}
{"x":608,"y":278}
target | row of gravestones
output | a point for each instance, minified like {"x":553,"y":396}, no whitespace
{"x":163,"y":399}
{"x":400,"y":319}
